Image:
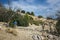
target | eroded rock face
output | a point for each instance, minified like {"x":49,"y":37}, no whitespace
{"x":36,"y":31}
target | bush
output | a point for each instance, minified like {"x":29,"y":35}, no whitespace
{"x":32,"y":13}
{"x":49,"y":18}
{"x":21,"y":20}
{"x":28,"y":13}
{"x":26,"y":20}
{"x":6,"y":16}
{"x":58,"y":26}
{"x":36,"y":23}
{"x":11,"y":24}
{"x":22,"y":11}
{"x":40,"y":16}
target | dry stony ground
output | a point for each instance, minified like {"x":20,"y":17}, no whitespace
{"x":22,"y":34}
{"x":25,"y":33}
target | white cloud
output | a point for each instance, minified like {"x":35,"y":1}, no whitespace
{"x":27,"y":7}
{"x":30,"y":1}
{"x":53,"y":4}
{"x":53,"y":1}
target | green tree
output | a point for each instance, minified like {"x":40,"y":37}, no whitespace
{"x":22,"y":20}
{"x":40,"y":16}
{"x":23,"y":11}
{"x":32,"y":13}
{"x":26,"y":20}
{"x":49,"y":18}
{"x":28,"y":13}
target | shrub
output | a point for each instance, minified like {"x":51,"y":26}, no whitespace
{"x":36,"y":23}
{"x":58,"y":26}
{"x":49,"y":18}
{"x":32,"y":13}
{"x":28,"y":13}
{"x":22,"y":11}
{"x":6,"y":16}
{"x":21,"y":20}
{"x":26,"y":20}
{"x":40,"y":16}
{"x":13,"y":19}
{"x":11,"y":24}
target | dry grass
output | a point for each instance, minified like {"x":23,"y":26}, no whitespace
{"x":12,"y":31}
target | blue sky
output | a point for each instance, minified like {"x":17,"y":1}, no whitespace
{"x":39,"y":7}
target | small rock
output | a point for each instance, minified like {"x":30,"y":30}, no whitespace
{"x":36,"y":37}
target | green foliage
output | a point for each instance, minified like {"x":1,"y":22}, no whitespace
{"x":22,"y":21}
{"x":22,"y":11}
{"x":5,"y":16}
{"x":36,"y":23}
{"x":58,"y":26}
{"x":17,"y":18}
{"x":28,"y":13}
{"x":11,"y":16}
{"x":32,"y":13}
{"x":26,"y":20}
{"x":11,"y":24}
{"x":49,"y":18}
{"x":30,"y":18}
{"x":40,"y":16}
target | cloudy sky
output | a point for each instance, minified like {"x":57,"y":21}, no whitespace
{"x":39,"y":7}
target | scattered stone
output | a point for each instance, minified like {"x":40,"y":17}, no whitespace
{"x":36,"y":37}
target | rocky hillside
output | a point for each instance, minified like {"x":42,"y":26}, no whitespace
{"x":48,"y":24}
{"x":32,"y":32}
{"x":34,"y":29}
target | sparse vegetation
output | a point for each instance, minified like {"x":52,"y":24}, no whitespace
{"x":58,"y":26}
{"x":40,"y":16}
{"x":49,"y":18}
{"x":28,"y":13}
{"x":22,"y":11}
{"x":12,"y":31}
{"x":32,"y":13}
{"x":36,"y":23}
{"x":21,"y":21}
